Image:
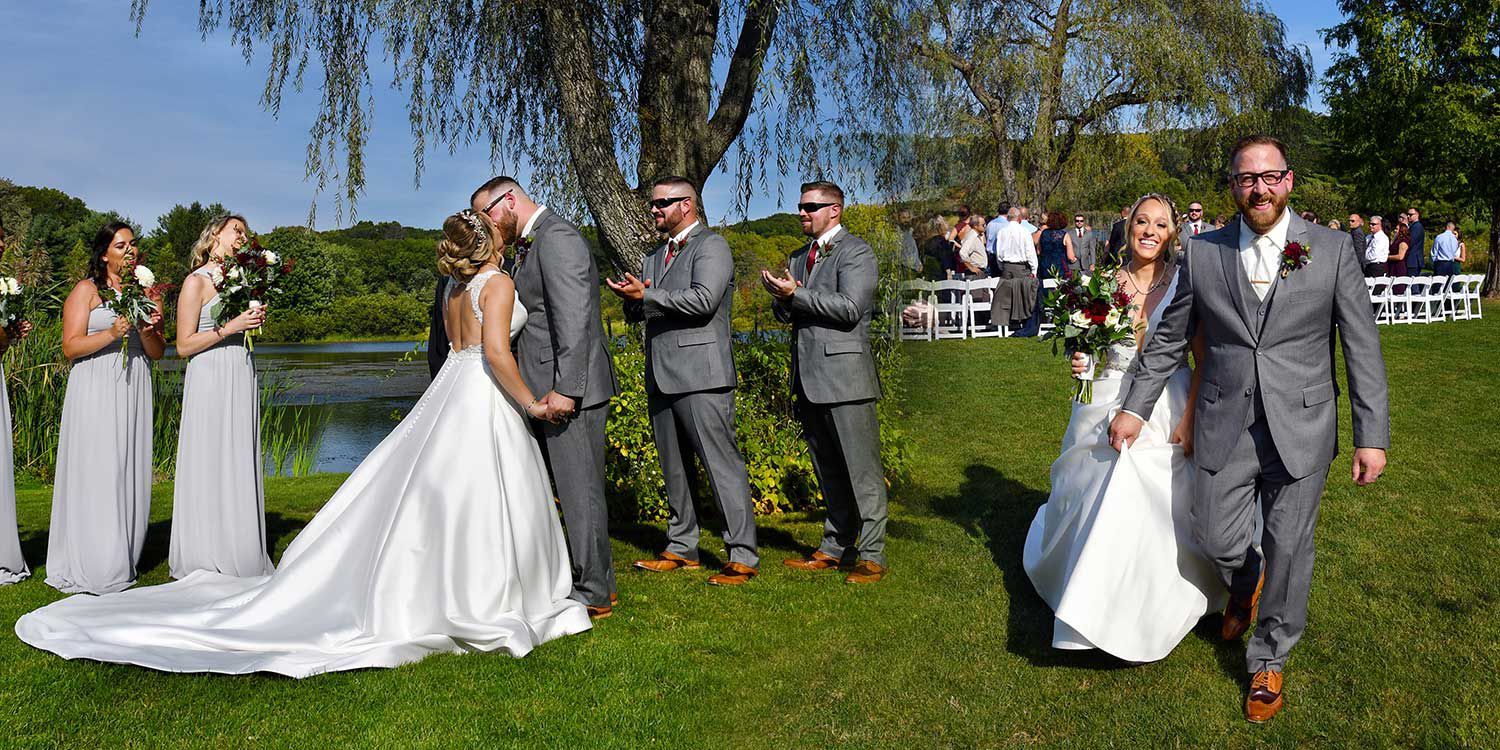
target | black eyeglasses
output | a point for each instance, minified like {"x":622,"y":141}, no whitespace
{"x":1246,"y":179}
{"x":663,"y":203}
{"x":812,"y":208}
{"x":497,"y":199}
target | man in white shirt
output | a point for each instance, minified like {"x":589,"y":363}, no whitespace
{"x":1378,"y":250}
{"x":1015,"y":295}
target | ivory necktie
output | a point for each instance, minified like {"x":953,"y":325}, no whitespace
{"x":1260,"y":279}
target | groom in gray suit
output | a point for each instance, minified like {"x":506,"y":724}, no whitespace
{"x":562,"y":355}
{"x":685,"y":296}
{"x":1267,"y":291}
{"x":827,"y":295}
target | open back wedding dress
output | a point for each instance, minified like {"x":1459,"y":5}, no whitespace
{"x":1111,"y":551}
{"x":444,"y":539}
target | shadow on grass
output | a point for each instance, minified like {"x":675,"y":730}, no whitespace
{"x":998,"y":509}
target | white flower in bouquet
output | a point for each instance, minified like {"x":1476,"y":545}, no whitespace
{"x":10,"y":286}
{"x":271,"y":257}
{"x":216,"y":274}
{"x":1113,"y":318}
{"x":236,"y":274}
{"x":1079,"y":319}
{"x":144,"y":277}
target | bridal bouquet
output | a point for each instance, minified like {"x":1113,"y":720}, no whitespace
{"x":138,"y":298}
{"x":11,"y":301}
{"x":246,"y":280}
{"x":1092,"y":314}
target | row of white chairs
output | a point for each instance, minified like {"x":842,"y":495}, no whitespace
{"x":1425,"y":299}
{"x":958,"y":309}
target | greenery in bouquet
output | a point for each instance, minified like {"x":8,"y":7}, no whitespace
{"x":1092,"y":314}
{"x":137,"y":300}
{"x":249,"y":278}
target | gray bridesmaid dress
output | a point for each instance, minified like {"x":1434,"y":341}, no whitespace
{"x":12,"y":564}
{"x":101,"y":500}
{"x":218,"y":502}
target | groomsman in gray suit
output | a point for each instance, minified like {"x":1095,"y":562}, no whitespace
{"x":685,"y":295}
{"x":1266,"y":428}
{"x":1085,"y":245}
{"x":562,"y":354}
{"x":827,"y":295}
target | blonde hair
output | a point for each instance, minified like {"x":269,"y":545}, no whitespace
{"x":205,"y":243}
{"x":467,"y":245}
{"x":1167,"y":255}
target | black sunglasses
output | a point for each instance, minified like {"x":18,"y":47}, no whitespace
{"x":1192,"y":210}
{"x":1246,"y":179}
{"x":492,"y":203}
{"x":663,"y":203}
{"x":813,"y":208}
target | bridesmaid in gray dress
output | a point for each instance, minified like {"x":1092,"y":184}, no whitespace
{"x":102,"y":497}
{"x":13,"y":567}
{"x":218,"y":503}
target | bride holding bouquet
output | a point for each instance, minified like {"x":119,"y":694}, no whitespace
{"x":1111,"y":551}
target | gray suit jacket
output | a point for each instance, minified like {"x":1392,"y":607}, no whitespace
{"x":688,"y":309}
{"x":562,"y":347}
{"x":1282,"y":346}
{"x":830,"y":317}
{"x":1086,"y":248}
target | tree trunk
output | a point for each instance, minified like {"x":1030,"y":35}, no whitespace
{"x":1492,"y":271}
{"x":1044,"y":168}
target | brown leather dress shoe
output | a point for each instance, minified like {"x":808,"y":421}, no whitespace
{"x":599,"y":613}
{"x":866,"y":572}
{"x":1265,"y":697}
{"x":734,"y":574}
{"x":667,"y":562}
{"x":614,"y":598}
{"x":815,"y":561}
{"x":1239,"y":614}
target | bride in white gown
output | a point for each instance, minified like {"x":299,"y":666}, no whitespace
{"x":1111,"y":551}
{"x":444,"y":539}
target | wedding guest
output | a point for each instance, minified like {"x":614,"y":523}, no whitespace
{"x":218,"y":498}
{"x":1220,"y":220}
{"x":972,"y":258}
{"x":1310,"y":217}
{"x":1030,"y":228}
{"x":827,"y":296}
{"x":1463,"y":251}
{"x":1418,"y":234}
{"x":1445,"y":252}
{"x":101,"y":500}
{"x":685,"y":296}
{"x":1015,"y":295}
{"x":1194,"y":225}
{"x":1377,"y":248}
{"x":1085,"y":245}
{"x":1400,"y":248}
{"x":1116,"y":242}
{"x":1359,"y":234}
{"x":911,"y":259}
{"x":13,"y":568}
{"x":991,"y":232}
{"x":1053,"y":262}
{"x":1334,"y":224}
{"x":939,"y":248}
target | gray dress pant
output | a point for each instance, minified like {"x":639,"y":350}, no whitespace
{"x":1224,"y":525}
{"x":702,"y":424}
{"x":844,"y":440}
{"x":574,"y":451}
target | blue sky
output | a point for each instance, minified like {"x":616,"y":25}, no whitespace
{"x":138,"y":124}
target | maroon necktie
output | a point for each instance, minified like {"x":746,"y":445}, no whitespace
{"x":671,"y":251}
{"x":812,"y":255}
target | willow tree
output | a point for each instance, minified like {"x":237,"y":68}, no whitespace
{"x":598,"y":98}
{"x":1037,"y":75}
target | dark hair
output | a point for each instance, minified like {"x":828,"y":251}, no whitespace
{"x":826,"y":187}
{"x":1257,"y":139}
{"x":1003,"y":208}
{"x":1056,"y":220}
{"x":494,"y":183}
{"x":676,"y":181}
{"x":98,"y":266}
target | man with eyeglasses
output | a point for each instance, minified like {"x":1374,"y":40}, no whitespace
{"x":1414,"y":251}
{"x":827,"y":295}
{"x":685,"y":296}
{"x":1266,"y":293}
{"x":1085,"y":245}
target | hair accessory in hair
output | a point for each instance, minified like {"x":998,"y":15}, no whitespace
{"x":476,"y":223}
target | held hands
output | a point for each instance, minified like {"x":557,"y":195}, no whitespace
{"x":779,"y":287}
{"x":1123,"y":430}
{"x":1369,"y":464}
{"x":631,"y":288}
{"x":553,"y":407}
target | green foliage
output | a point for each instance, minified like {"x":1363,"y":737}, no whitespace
{"x":381,"y":314}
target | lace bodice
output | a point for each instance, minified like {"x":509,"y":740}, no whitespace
{"x":474,"y":286}
{"x":1123,"y":354}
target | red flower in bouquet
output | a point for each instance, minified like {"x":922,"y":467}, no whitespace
{"x":1090,"y":314}
{"x":251,"y":277}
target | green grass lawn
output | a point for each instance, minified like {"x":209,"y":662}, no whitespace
{"x":952,"y":650}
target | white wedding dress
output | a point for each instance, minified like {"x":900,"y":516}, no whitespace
{"x":1112,"y":551}
{"x":444,"y":539}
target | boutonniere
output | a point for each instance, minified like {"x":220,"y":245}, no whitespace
{"x":523,"y":249}
{"x":1294,"y":256}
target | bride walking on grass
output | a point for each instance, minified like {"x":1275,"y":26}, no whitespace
{"x":444,"y":539}
{"x":1111,"y":551}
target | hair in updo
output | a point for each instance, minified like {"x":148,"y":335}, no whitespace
{"x":466,"y":245}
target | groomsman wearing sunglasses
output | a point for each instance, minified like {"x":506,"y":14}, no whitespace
{"x":685,"y":296}
{"x":827,"y":294}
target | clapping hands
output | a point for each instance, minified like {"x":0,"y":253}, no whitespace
{"x":631,"y":288}
{"x":779,"y":287}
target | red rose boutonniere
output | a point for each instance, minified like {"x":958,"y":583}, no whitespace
{"x":1294,"y":256}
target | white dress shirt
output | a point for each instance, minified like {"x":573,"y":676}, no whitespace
{"x":531,"y":222}
{"x":828,"y":236}
{"x":971,"y":251}
{"x":1378,"y":250}
{"x":1013,"y":245}
{"x":678,"y":238}
{"x":1261,"y":253}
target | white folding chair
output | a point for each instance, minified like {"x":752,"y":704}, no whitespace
{"x":1454,"y":305}
{"x":1473,"y":295}
{"x":951,"y":309}
{"x":1416,"y":299}
{"x":1047,"y":286}
{"x":981,"y":300}
{"x":1437,"y":292}
{"x":1400,"y":304}
{"x":1379,"y":288}
{"x":918,"y":293}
